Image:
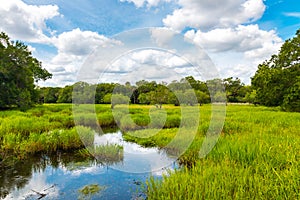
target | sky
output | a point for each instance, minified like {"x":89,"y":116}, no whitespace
{"x":73,"y":37}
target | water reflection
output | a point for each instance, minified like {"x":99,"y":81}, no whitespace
{"x":137,"y":159}
{"x":61,"y":176}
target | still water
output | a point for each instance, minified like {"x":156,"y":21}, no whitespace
{"x":62,"y":176}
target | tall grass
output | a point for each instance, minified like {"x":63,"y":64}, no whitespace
{"x":257,"y":157}
{"x":47,"y":142}
{"x":105,"y":154}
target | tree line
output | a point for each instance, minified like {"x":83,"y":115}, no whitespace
{"x":187,"y":91}
{"x":275,"y":83}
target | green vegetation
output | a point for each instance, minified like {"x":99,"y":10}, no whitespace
{"x":18,"y":73}
{"x":90,"y":190}
{"x":43,"y":129}
{"x":105,"y":154}
{"x":277,"y":81}
{"x":256,"y":157}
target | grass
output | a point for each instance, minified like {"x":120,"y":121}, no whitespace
{"x":105,"y":154}
{"x":256,"y":157}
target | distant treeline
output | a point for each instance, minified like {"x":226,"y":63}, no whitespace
{"x":275,"y":83}
{"x":187,"y":91}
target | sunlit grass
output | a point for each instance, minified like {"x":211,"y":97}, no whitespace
{"x":256,"y":156}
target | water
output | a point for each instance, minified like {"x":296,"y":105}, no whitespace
{"x":61,"y":176}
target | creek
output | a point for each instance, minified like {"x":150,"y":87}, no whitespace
{"x":68,"y":176}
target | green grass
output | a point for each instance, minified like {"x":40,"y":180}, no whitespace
{"x":105,"y":154}
{"x":256,"y":157}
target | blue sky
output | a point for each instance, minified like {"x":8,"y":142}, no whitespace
{"x":236,"y":34}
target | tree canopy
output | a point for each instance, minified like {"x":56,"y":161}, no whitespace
{"x":19,"y":71}
{"x":277,"y":80}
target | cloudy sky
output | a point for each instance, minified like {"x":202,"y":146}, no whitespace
{"x":236,"y":34}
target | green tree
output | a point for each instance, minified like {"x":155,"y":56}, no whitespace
{"x":18,"y":73}
{"x":117,"y":99}
{"x":291,"y":101}
{"x":49,"y":94}
{"x":83,"y":93}
{"x":276,"y":80}
{"x":202,"y":97}
{"x":65,"y":94}
{"x":233,"y":88}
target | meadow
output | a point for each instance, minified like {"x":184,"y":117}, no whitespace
{"x":256,"y":157}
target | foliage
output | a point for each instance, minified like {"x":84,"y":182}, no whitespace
{"x":18,"y":73}
{"x":117,"y":99}
{"x":276,"y":80}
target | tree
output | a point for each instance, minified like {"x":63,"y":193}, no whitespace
{"x":233,"y":87}
{"x":83,"y":93}
{"x":159,"y":96}
{"x":276,"y":80}
{"x":251,"y":97}
{"x":119,"y":99}
{"x":65,"y":95}
{"x":202,"y":97}
{"x":18,"y":73}
{"x":101,"y":90}
{"x":49,"y":94}
{"x":291,"y":101}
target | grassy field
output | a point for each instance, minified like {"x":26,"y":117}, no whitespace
{"x":256,"y":157}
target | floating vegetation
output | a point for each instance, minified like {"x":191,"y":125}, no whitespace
{"x":90,"y":190}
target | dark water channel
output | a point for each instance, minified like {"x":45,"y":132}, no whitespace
{"x":62,"y":176}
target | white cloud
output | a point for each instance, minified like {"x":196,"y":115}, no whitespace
{"x":80,"y":43}
{"x":292,"y":14}
{"x":210,"y":14}
{"x":148,"y":3}
{"x":237,"y":51}
{"x":241,"y":39}
{"x":73,"y":48}
{"x":147,"y":64}
{"x":26,"y":22}
{"x":162,"y":36}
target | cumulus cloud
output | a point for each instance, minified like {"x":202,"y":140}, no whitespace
{"x":148,"y":64}
{"x":148,"y":3}
{"x":226,"y":30}
{"x":237,"y":51}
{"x":241,"y":39}
{"x":162,"y":36}
{"x":210,"y":14}
{"x":80,"y":43}
{"x":73,"y":48}
{"x":26,"y":22}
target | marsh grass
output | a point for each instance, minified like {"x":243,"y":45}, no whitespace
{"x":20,"y":146}
{"x":105,"y":154}
{"x":256,"y":157}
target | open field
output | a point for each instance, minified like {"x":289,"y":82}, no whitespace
{"x":257,"y":154}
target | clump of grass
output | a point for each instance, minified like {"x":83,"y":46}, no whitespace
{"x":127,"y":123}
{"x":172,"y":121}
{"x":106,"y":119}
{"x":48,"y":142}
{"x":105,"y":154}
